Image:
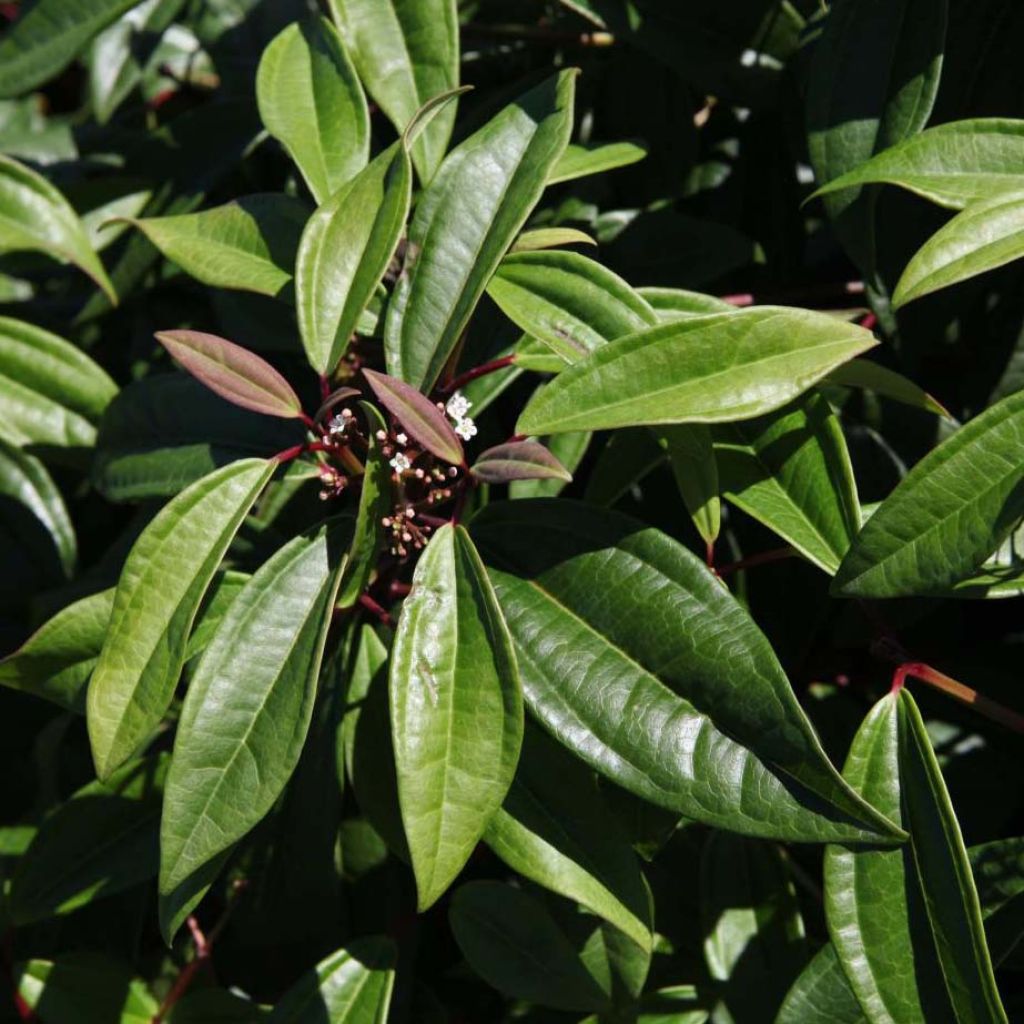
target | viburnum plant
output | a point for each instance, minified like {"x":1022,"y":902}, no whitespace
{"x":389,"y":471}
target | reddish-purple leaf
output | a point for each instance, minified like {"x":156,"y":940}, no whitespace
{"x":233,"y":372}
{"x":420,"y":418}
{"x":334,"y":399}
{"x":518,"y":460}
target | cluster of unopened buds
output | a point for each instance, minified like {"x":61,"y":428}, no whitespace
{"x":404,"y":532}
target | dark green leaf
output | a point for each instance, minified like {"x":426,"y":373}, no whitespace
{"x":691,"y":455}
{"x":821,"y":995}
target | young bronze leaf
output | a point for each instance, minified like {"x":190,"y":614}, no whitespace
{"x":518,"y":460}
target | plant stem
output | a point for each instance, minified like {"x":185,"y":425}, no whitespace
{"x":478,"y":371}
{"x":958,"y":691}
{"x":775,"y":555}
{"x":188,"y":972}
{"x":375,"y":609}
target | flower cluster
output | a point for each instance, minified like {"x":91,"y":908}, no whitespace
{"x":457,"y":407}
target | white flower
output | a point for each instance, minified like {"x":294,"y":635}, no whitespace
{"x":458,"y":405}
{"x":400,"y":463}
{"x":336,"y":425}
{"x":465,"y":428}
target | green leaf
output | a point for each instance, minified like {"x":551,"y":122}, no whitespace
{"x":951,"y":511}
{"x":351,"y":986}
{"x":628,"y":456}
{"x":872,"y":899}
{"x":346,"y":248}
{"x":84,"y":988}
{"x":246,"y":715}
{"x":988,"y":234}
{"x":555,"y":829}
{"x":511,"y":941}
{"x":311,"y":101}
{"x":47,"y":36}
{"x":874,"y":76}
{"x":754,"y":942}
{"x":55,"y":662}
{"x":550,"y":238}
{"x":709,"y":369}
{"x":518,"y":460}
{"x":233,"y":372}
{"x":406,"y":52}
{"x":952,"y":164}
{"x":583,"y":161}
{"x":863,"y":373}
{"x":570,"y":450}
{"x":34,"y":216}
{"x":669,"y":688}
{"x":161,"y":586}
{"x":791,"y":471}
{"x":419,"y":416}
{"x":950,"y":896}
{"x":691,"y":455}
{"x":374,"y":503}
{"x":35,"y":515}
{"x":456,"y":710}
{"x":998,"y":870}
{"x":677,"y":303}
{"x":821,"y":994}
{"x":216,"y":1006}
{"x":102,"y":840}
{"x":471,"y":212}
{"x":249,"y":243}
{"x":167,"y":431}
{"x":568,"y":301}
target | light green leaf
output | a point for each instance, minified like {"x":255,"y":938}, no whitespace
{"x":25,"y":483}
{"x":666,"y":686}
{"x":709,"y":369}
{"x":246,"y":715}
{"x":568,"y":301}
{"x":550,"y":238}
{"x":950,"y":896}
{"x":35,"y":216}
{"x":311,"y":101}
{"x":951,"y":511}
{"x":952,"y":164}
{"x":988,"y":234}
{"x":48,"y":36}
{"x":791,"y":471}
{"x":582,"y":161}
{"x":456,"y":710}
{"x":691,"y":454}
{"x":678,"y":304}
{"x":863,"y":373}
{"x":555,"y":829}
{"x":161,"y":586}
{"x":351,"y":986}
{"x":249,"y":243}
{"x":345,"y":250}
{"x":51,"y":393}
{"x":472,"y":211}
{"x":406,"y":52}
{"x":513,"y":943}
{"x":821,"y":994}
{"x":102,"y":840}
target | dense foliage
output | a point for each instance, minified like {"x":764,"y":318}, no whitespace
{"x":511,"y":511}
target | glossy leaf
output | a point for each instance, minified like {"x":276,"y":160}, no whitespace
{"x":998,"y":870}
{"x":821,"y":994}
{"x":161,"y":586}
{"x":951,"y":511}
{"x":714,"y":368}
{"x":351,"y":986}
{"x":791,"y":471}
{"x":550,"y":238}
{"x":691,"y":454}
{"x":406,"y":52}
{"x":988,"y":234}
{"x":233,"y":372}
{"x":246,"y":715}
{"x":102,"y":840}
{"x":518,"y":460}
{"x":863,"y":373}
{"x":628,"y":456}
{"x":310,"y":100}
{"x":456,"y":710}
{"x":582,"y":161}
{"x":555,"y":829}
{"x":472,"y":211}
{"x":419,"y":417}
{"x":48,"y":36}
{"x":952,"y":164}
{"x":568,"y":301}
{"x":504,"y":934}
{"x":346,"y":248}
{"x":248,"y":244}
{"x":663,"y":664}
{"x":947,"y":885}
{"x":35,"y":216}
{"x":678,"y":303}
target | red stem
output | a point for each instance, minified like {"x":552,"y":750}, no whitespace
{"x":478,"y":371}
{"x":325,"y":387}
{"x":375,"y":609}
{"x":775,"y":555}
{"x":188,"y":972}
{"x":958,"y":691}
